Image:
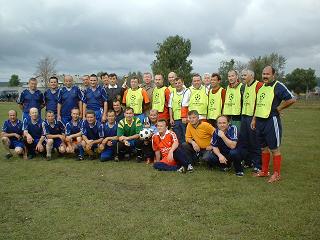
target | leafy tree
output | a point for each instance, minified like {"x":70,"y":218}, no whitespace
{"x":46,"y":68}
{"x":301,"y":80}
{"x":14,"y":80}
{"x":257,"y":64}
{"x":172,"y":56}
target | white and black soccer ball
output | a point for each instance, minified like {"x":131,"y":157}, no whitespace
{"x":145,"y":134}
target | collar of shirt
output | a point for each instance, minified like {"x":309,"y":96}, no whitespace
{"x":125,"y":121}
{"x":53,"y":91}
{"x":270,"y":84}
{"x":215,"y":91}
{"x":234,"y":85}
{"x":110,"y":86}
{"x":14,"y":123}
{"x":92,"y":125}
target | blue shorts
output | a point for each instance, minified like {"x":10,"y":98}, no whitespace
{"x":57,"y":142}
{"x":99,"y":114}
{"x":269,"y":132}
{"x":16,"y":143}
{"x":106,"y":154}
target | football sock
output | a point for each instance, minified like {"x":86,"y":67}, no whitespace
{"x":277,"y":163}
{"x":265,"y":157}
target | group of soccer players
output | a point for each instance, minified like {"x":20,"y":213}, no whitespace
{"x":238,"y":126}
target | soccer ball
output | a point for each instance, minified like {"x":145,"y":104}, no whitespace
{"x":145,"y":134}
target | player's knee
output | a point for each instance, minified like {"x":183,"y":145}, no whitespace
{"x":62,"y":149}
{"x":79,"y":139}
{"x":5,"y":140}
{"x":18,"y":150}
{"x":275,"y":152}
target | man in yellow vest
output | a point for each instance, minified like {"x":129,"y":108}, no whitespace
{"x":171,"y":79}
{"x":195,"y":99}
{"x":160,"y":98}
{"x":232,"y":104}
{"x":136,"y":98}
{"x":176,"y":96}
{"x":272,"y":98}
{"x":216,"y":96}
{"x":248,"y":140}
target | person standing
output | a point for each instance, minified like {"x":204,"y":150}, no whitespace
{"x":272,"y":98}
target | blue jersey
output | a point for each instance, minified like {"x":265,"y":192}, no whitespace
{"x":10,"y":127}
{"x":51,"y":100}
{"x":73,"y":127}
{"x":110,"y":131}
{"x":69,"y":98}
{"x":92,"y":132}
{"x":281,"y":93}
{"x":95,"y":99}
{"x":56,"y":128}
{"x":34,"y":128}
{"x":217,"y":141}
{"x":31,"y":99}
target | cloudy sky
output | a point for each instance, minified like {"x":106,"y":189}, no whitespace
{"x":121,"y":36}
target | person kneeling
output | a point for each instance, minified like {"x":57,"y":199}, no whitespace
{"x":33,"y":133}
{"x":11,"y":136}
{"x":54,"y":132}
{"x":92,"y":135}
{"x":73,"y":131}
{"x":224,"y":152}
{"x":169,"y":156}
{"x":109,"y":143}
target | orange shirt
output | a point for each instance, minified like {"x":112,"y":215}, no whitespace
{"x":164,"y":144}
{"x":202,"y":134}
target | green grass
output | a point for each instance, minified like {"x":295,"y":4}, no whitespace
{"x":65,"y":199}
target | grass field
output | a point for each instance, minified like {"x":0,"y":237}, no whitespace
{"x":65,"y":199}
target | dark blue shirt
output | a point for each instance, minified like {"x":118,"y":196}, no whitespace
{"x":69,"y":98}
{"x":281,"y":93}
{"x":34,"y":128}
{"x":73,"y":127}
{"x":92,"y":132}
{"x":95,"y":99}
{"x":29,"y":100}
{"x":56,"y":128}
{"x":9,"y":127}
{"x":217,"y":141}
{"x":110,"y":131}
{"x":51,"y":100}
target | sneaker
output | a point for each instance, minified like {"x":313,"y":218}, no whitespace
{"x":225,"y":169}
{"x":274,"y":178}
{"x":190,"y":168}
{"x":239,"y":174}
{"x":261,"y":174}
{"x":8,"y":155}
{"x":256,"y":170}
{"x":116,"y":158}
{"x":182,"y":170}
{"x":48,"y":158}
{"x":139,"y":159}
{"x":80,"y":158}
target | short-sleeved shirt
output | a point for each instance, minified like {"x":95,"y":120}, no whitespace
{"x":69,"y":98}
{"x":216,"y":141}
{"x":33,"y":128}
{"x":10,"y":127}
{"x":127,"y":130}
{"x":281,"y":93}
{"x":51,"y":100}
{"x":92,"y":132}
{"x":95,"y":98}
{"x":54,"y":128}
{"x":73,"y":127}
{"x":202,"y":134}
{"x":30,"y":99}
{"x":110,"y":131}
{"x":164,"y":144}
